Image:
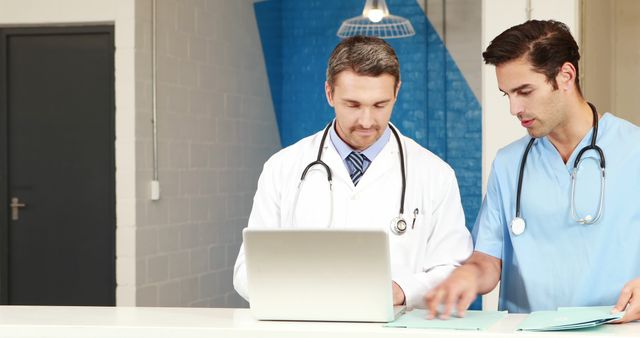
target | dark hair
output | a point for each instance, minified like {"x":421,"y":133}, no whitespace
{"x":547,"y":45}
{"x":365,"y":55}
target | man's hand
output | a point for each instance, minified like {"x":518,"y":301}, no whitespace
{"x":478,"y":275}
{"x":457,"y":291}
{"x":398,"y":294}
{"x":629,"y":301}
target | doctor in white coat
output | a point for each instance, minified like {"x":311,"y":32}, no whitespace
{"x":363,"y":155}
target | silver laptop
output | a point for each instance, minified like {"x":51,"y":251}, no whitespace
{"x":319,"y":275}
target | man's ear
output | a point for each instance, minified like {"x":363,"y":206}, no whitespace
{"x":398,"y":88}
{"x":329,"y":92}
{"x":566,"y":78}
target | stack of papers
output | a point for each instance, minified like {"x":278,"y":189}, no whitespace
{"x":473,"y":320}
{"x":569,"y":318}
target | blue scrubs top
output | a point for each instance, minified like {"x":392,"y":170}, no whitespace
{"x":557,"y":261}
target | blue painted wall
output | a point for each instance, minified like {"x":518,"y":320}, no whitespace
{"x":436,"y":107}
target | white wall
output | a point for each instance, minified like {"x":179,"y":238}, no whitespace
{"x":91,"y":12}
{"x":499,"y":128}
{"x":611,"y":50}
{"x":216,"y":127}
{"x":597,"y":53}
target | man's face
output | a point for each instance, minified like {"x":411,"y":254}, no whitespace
{"x":363,"y":106}
{"x":532,"y":99}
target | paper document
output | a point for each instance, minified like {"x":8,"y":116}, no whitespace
{"x":569,"y":318}
{"x":473,"y":320}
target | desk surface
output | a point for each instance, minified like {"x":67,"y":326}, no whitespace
{"x":51,"y":321}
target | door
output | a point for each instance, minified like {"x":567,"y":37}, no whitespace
{"x":57,"y":171}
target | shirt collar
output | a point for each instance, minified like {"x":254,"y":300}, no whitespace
{"x":344,"y":149}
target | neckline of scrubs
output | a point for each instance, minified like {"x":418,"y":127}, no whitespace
{"x":586,"y":140}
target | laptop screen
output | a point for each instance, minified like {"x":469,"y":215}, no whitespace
{"x":319,"y":274}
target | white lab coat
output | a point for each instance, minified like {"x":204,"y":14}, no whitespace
{"x":421,"y":258}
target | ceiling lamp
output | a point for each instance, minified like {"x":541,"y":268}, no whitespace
{"x":376,"y":21}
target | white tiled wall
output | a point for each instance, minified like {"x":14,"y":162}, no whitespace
{"x":216,"y":127}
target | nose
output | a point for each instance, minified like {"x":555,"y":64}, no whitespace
{"x":366,"y":118}
{"x":515,"y":106}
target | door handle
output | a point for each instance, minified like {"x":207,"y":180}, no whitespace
{"x":15,"y":207}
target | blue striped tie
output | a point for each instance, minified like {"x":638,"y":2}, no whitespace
{"x":357,"y":160}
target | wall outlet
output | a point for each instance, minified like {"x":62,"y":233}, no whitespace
{"x":155,"y":190}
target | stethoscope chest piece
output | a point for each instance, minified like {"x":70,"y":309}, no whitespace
{"x":398,"y":226}
{"x":517,"y":226}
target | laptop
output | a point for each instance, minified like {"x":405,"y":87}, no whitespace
{"x":319,"y":275}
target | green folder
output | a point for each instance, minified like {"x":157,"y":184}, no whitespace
{"x":569,"y":318}
{"x":473,"y":320}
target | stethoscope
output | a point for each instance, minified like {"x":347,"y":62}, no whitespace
{"x":398,"y":224}
{"x":518,"y":224}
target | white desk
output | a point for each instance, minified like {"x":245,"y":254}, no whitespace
{"x":49,"y":321}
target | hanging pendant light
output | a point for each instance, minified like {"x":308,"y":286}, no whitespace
{"x":376,"y":21}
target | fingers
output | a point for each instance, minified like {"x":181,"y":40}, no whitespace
{"x":628,"y":317}
{"x":398,"y":294}
{"x":450,"y":302}
{"x":455,"y":293}
{"x":629,"y":301}
{"x":443,"y":300}
{"x":623,"y":299}
{"x":632,"y":311}
{"x":464,"y":302}
{"x":632,"y":314}
{"x":434,"y":299}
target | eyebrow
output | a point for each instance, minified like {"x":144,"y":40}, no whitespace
{"x":358,"y":102}
{"x":521,"y":87}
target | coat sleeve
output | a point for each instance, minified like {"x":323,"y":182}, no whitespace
{"x":264,"y":213}
{"x":448,"y":244}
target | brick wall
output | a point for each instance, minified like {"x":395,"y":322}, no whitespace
{"x":216,"y":127}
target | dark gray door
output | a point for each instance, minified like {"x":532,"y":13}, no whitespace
{"x":57,"y":171}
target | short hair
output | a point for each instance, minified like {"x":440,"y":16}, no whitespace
{"x":364,"y":55}
{"x":547,"y":45}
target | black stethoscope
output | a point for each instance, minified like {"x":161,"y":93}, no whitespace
{"x":398,"y":224}
{"x":518,"y":224}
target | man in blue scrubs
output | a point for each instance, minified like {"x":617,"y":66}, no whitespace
{"x":559,"y":258}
